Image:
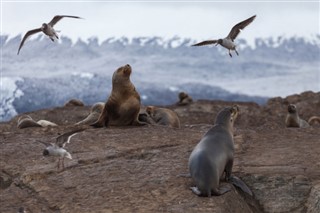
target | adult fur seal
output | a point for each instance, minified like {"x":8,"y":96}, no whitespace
{"x":123,"y":105}
{"x":95,"y":112}
{"x":163,"y":116}
{"x":213,"y":156}
{"x":293,"y":119}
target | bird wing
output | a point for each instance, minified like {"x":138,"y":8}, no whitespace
{"x":206,"y":42}
{"x":240,"y":26}
{"x":58,"y":18}
{"x":65,"y":137}
{"x":44,"y":143}
{"x":29,"y":33}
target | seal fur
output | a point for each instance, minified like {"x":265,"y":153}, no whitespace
{"x":163,"y":116}
{"x":293,"y":119}
{"x":123,"y":105}
{"x":213,"y":156}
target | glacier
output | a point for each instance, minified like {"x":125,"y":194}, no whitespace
{"x":46,"y":74}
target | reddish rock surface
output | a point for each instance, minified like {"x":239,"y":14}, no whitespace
{"x":136,"y":169}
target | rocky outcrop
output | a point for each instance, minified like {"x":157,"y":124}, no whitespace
{"x":137,"y":169}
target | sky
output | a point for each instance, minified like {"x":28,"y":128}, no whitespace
{"x":199,"y":20}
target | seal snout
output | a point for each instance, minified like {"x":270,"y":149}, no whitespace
{"x":127,"y":69}
{"x":45,"y":152}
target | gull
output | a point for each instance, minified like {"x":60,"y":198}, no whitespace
{"x":57,"y":149}
{"x":228,"y":42}
{"x":46,"y":28}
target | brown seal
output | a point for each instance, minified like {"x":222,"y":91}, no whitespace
{"x":163,"y":116}
{"x":184,"y":99}
{"x":123,"y":105}
{"x":293,"y":119}
{"x":74,"y":102}
{"x":213,"y":156}
{"x":26,"y":121}
{"x":95,"y":112}
{"x":314,"y":120}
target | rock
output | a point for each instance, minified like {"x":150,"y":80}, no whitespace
{"x":136,"y":169}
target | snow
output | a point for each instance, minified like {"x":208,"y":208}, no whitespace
{"x":161,"y":69}
{"x":9,"y":92}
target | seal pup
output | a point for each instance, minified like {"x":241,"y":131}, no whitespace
{"x":293,"y":119}
{"x":95,"y":112}
{"x":213,"y":156}
{"x":228,"y":42}
{"x":123,"y":105}
{"x":163,"y":116}
{"x":57,"y":149}
{"x":26,"y":121}
{"x":47,"y":29}
{"x":184,"y":99}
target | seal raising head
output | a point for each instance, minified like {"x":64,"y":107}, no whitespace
{"x":123,"y":105}
{"x":293,"y":119}
{"x":213,"y":155}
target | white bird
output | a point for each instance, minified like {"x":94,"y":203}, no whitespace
{"x":228,"y":42}
{"x":57,"y":149}
{"x":46,"y":28}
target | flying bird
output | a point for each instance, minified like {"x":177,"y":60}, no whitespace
{"x":57,"y":149}
{"x":46,"y":28}
{"x":228,"y":42}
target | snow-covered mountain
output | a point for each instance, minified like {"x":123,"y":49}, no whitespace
{"x":47,"y":74}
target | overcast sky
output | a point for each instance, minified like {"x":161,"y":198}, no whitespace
{"x":196,"y":20}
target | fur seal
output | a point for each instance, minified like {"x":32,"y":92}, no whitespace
{"x":123,"y":105}
{"x":95,"y":112}
{"x":163,"y":116}
{"x":184,"y":99}
{"x":314,"y":120}
{"x":213,"y":156}
{"x":26,"y":121}
{"x":45,"y":123}
{"x":293,"y":119}
{"x":74,"y":102}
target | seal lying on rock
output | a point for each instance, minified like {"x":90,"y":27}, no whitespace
{"x":123,"y":105}
{"x":314,"y":120}
{"x":213,"y":156}
{"x":293,"y":119}
{"x":163,"y":116}
{"x":184,"y":99}
{"x":26,"y":121}
{"x":95,"y":112}
{"x":74,"y":102}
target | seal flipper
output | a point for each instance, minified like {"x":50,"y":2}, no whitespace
{"x":240,"y":184}
{"x":103,"y":119}
{"x":216,"y":192}
{"x":195,"y":190}
{"x":221,"y":190}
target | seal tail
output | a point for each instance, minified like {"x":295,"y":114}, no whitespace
{"x":240,"y":184}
